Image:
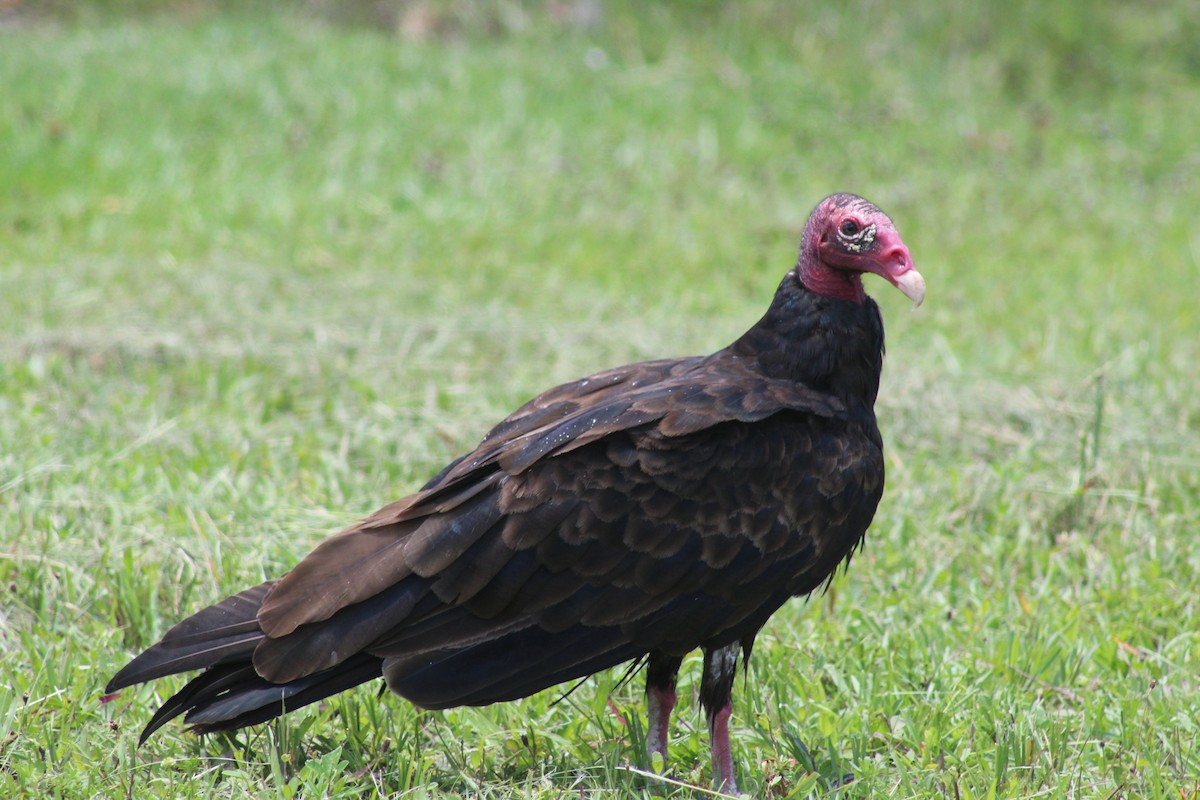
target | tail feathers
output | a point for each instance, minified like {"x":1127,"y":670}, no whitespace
{"x":232,"y":696}
{"x":211,"y":683}
{"x":222,"y":633}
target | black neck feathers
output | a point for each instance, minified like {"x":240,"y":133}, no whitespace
{"x":827,"y":344}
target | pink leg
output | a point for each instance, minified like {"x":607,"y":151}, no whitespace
{"x":716,"y":690}
{"x":661,"y":672}
{"x":722,"y":753}
{"x":659,"y":705}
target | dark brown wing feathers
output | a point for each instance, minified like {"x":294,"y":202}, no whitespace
{"x":397,"y":541}
{"x":221,"y":632}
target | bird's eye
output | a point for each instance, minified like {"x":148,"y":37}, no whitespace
{"x":848,"y":228}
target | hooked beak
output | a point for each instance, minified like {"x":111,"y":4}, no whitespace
{"x":895,"y":265}
{"x":912,"y":284}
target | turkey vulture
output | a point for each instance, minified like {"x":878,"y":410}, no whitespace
{"x":638,"y":513}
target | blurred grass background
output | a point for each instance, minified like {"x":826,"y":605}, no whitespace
{"x":265,"y":266}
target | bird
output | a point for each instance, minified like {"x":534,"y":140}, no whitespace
{"x":631,"y":516}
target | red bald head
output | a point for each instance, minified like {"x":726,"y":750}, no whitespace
{"x":847,"y":236}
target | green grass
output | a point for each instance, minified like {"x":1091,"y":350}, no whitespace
{"x":262,"y":271}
